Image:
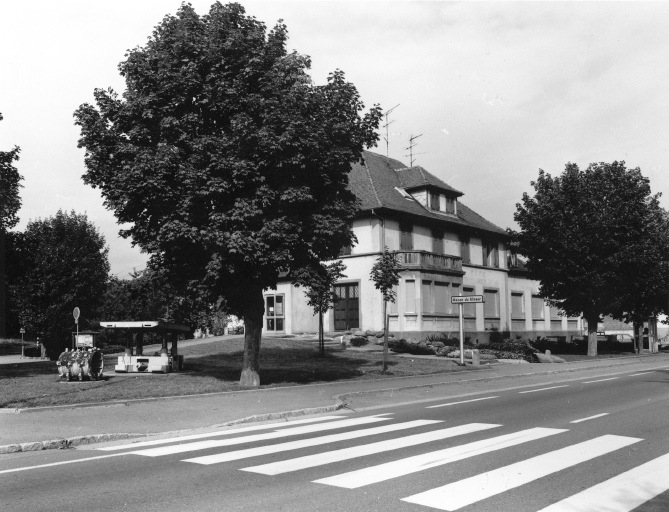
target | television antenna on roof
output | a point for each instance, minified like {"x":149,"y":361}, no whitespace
{"x":387,"y":137}
{"x":412,"y":145}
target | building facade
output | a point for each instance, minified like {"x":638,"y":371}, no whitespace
{"x":445,"y":249}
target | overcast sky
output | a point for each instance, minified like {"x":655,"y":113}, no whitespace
{"x":496,"y":90}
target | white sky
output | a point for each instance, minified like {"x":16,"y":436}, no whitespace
{"x":497,"y":90}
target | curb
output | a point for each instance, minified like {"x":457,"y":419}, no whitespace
{"x":71,"y":442}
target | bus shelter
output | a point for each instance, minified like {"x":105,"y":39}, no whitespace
{"x":134,"y":360}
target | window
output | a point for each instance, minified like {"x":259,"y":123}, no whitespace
{"x":555,"y":313}
{"x":410,"y":296}
{"x":406,"y":237}
{"x":392,"y":306}
{"x":537,"y":307}
{"x":491,"y":303}
{"x":517,"y":305}
{"x":441,"y":298}
{"x":465,"y":253}
{"x":468,"y":310}
{"x":434,"y":201}
{"x":450,"y":205}
{"x":490,"y":254}
{"x":274,"y":312}
{"x":437,"y":241}
{"x":427,"y":297}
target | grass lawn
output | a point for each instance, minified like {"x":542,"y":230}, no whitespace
{"x":209,"y":367}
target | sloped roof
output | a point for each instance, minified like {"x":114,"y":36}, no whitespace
{"x":418,"y":177}
{"x":374,"y":182}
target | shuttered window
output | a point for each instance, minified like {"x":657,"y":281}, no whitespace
{"x":406,"y":237}
{"x":491,"y":303}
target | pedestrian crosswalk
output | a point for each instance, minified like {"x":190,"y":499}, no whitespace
{"x":437,"y":444}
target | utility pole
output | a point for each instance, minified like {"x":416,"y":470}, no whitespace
{"x":412,"y":145}
{"x":387,"y":137}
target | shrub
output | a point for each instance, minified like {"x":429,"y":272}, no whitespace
{"x":358,"y":341}
{"x":496,"y":336}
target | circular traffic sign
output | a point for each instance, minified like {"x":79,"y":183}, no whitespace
{"x":75,"y":313}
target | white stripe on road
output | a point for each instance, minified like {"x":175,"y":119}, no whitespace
{"x":621,"y":493}
{"x":394,"y":469}
{"x":642,"y":373}
{"x":543,"y":389}
{"x":27,"y":468}
{"x":304,"y":443}
{"x":462,"y":402}
{"x":320,"y":459}
{"x":590,"y":417}
{"x":470,"y":490}
{"x":307,"y":429}
{"x":600,"y":380}
{"x":228,"y":432}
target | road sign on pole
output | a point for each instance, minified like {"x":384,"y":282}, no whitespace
{"x":467,"y":299}
{"x":75,"y":314}
{"x":460,"y":300}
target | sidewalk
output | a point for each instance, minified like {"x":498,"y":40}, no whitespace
{"x":66,"y":426}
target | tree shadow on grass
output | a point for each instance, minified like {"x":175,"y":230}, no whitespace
{"x":32,"y":369}
{"x":284,"y":366}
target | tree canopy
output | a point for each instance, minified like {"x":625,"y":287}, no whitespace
{"x":10,"y":183}
{"x":597,"y":240}
{"x":228,"y":163}
{"x":59,"y":263}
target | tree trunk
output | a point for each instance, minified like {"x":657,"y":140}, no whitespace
{"x":3,"y":286}
{"x":321,"y":341}
{"x":385,"y":336}
{"x":593,"y":320}
{"x":250,"y":377}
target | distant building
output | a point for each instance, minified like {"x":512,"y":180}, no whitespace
{"x":445,"y":249}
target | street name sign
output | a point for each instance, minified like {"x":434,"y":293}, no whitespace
{"x":460,"y":299}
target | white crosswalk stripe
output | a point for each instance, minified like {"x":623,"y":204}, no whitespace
{"x":304,"y":443}
{"x":320,"y":459}
{"x":471,"y":490}
{"x":307,"y":429}
{"x":621,"y":493}
{"x":402,"y":467}
{"x":219,"y":433}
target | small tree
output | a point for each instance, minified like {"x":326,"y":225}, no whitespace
{"x":386,"y":275}
{"x":319,"y":281}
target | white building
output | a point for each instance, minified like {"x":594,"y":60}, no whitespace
{"x":445,"y":249}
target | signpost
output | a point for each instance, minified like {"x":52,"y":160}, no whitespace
{"x":75,"y":314}
{"x":22,"y":331}
{"x":466,"y":299}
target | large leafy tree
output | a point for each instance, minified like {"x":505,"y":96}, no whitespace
{"x":10,"y":203}
{"x":61,"y":263}
{"x":597,"y":242}
{"x":229,"y":164}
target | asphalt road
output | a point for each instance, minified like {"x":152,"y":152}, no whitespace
{"x":592,"y":444}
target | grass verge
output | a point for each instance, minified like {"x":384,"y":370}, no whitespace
{"x":209,"y":368}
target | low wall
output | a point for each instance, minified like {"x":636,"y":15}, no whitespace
{"x":483,"y":337}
